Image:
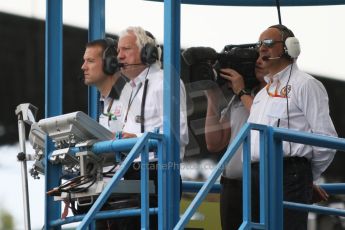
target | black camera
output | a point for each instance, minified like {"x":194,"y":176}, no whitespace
{"x":204,"y":64}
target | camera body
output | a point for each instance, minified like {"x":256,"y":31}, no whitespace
{"x":204,"y":64}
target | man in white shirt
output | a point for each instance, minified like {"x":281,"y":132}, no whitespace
{"x":100,"y":67}
{"x":295,"y":100}
{"x":139,"y":54}
{"x":101,"y":70}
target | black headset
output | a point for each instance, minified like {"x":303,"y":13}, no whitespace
{"x":110,"y":63}
{"x":149,"y":53}
{"x":292,"y":47}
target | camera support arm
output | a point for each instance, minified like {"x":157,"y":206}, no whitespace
{"x":26,"y":114}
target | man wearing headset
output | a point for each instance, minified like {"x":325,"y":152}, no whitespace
{"x":100,"y":67}
{"x":139,"y":55}
{"x":221,"y":129}
{"x":295,"y":100}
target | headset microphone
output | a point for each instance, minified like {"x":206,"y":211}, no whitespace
{"x":116,"y":65}
{"x":125,"y":65}
{"x":266,"y":58}
{"x":132,"y":64}
{"x":274,"y":58}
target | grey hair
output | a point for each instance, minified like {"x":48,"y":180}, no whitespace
{"x":143,"y":38}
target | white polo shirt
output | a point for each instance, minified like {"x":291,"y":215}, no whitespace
{"x":111,"y":115}
{"x":306,"y":109}
{"x":153,"y":106}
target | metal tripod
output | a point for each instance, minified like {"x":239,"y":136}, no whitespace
{"x":26,"y":114}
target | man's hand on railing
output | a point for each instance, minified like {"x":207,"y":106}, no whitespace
{"x":319,"y":194}
{"x":128,"y":135}
{"x":123,"y":135}
{"x":65,"y":210}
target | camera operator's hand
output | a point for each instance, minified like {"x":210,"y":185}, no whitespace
{"x":236,"y":82}
{"x":235,"y":79}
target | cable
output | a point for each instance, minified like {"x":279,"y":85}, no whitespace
{"x":110,"y":172}
{"x":73,"y":184}
{"x":287,"y":103}
{"x":142,"y":107}
{"x":278,"y":10}
{"x":77,"y":190}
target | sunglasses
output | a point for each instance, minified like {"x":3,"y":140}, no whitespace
{"x":269,"y":43}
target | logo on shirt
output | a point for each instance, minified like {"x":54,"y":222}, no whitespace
{"x":284,"y":92}
{"x":117,"y":110}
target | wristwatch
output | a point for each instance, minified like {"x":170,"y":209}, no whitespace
{"x":243,"y":92}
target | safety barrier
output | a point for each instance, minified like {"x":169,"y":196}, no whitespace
{"x":136,"y":146}
{"x":271,"y":158}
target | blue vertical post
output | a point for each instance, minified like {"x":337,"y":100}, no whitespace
{"x":275,"y":182}
{"x":247,"y":217}
{"x":162,"y":186}
{"x":96,"y":31}
{"x":144,"y":187}
{"x":264,"y":192}
{"x":53,"y":98}
{"x":171,"y":117}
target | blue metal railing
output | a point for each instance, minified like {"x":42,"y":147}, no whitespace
{"x":53,"y":101}
{"x":140,"y":147}
{"x":270,"y":155}
{"x":241,"y":138}
{"x":171,"y":110}
{"x":53,"y":96}
{"x":96,"y":31}
{"x":271,"y":201}
{"x":136,"y":146}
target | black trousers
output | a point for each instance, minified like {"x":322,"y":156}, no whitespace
{"x":297,"y":187}
{"x":230,"y":203}
{"x":231,"y":207}
{"x":133,"y":222}
{"x":134,"y":173}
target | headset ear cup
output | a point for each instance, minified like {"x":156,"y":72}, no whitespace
{"x":149,"y":54}
{"x":292,"y":47}
{"x":109,"y":65}
{"x":109,"y":57}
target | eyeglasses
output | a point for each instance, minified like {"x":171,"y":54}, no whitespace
{"x":269,"y":43}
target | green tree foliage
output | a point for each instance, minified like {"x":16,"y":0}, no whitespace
{"x":6,"y":220}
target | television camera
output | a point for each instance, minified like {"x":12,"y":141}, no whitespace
{"x":204,"y":64}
